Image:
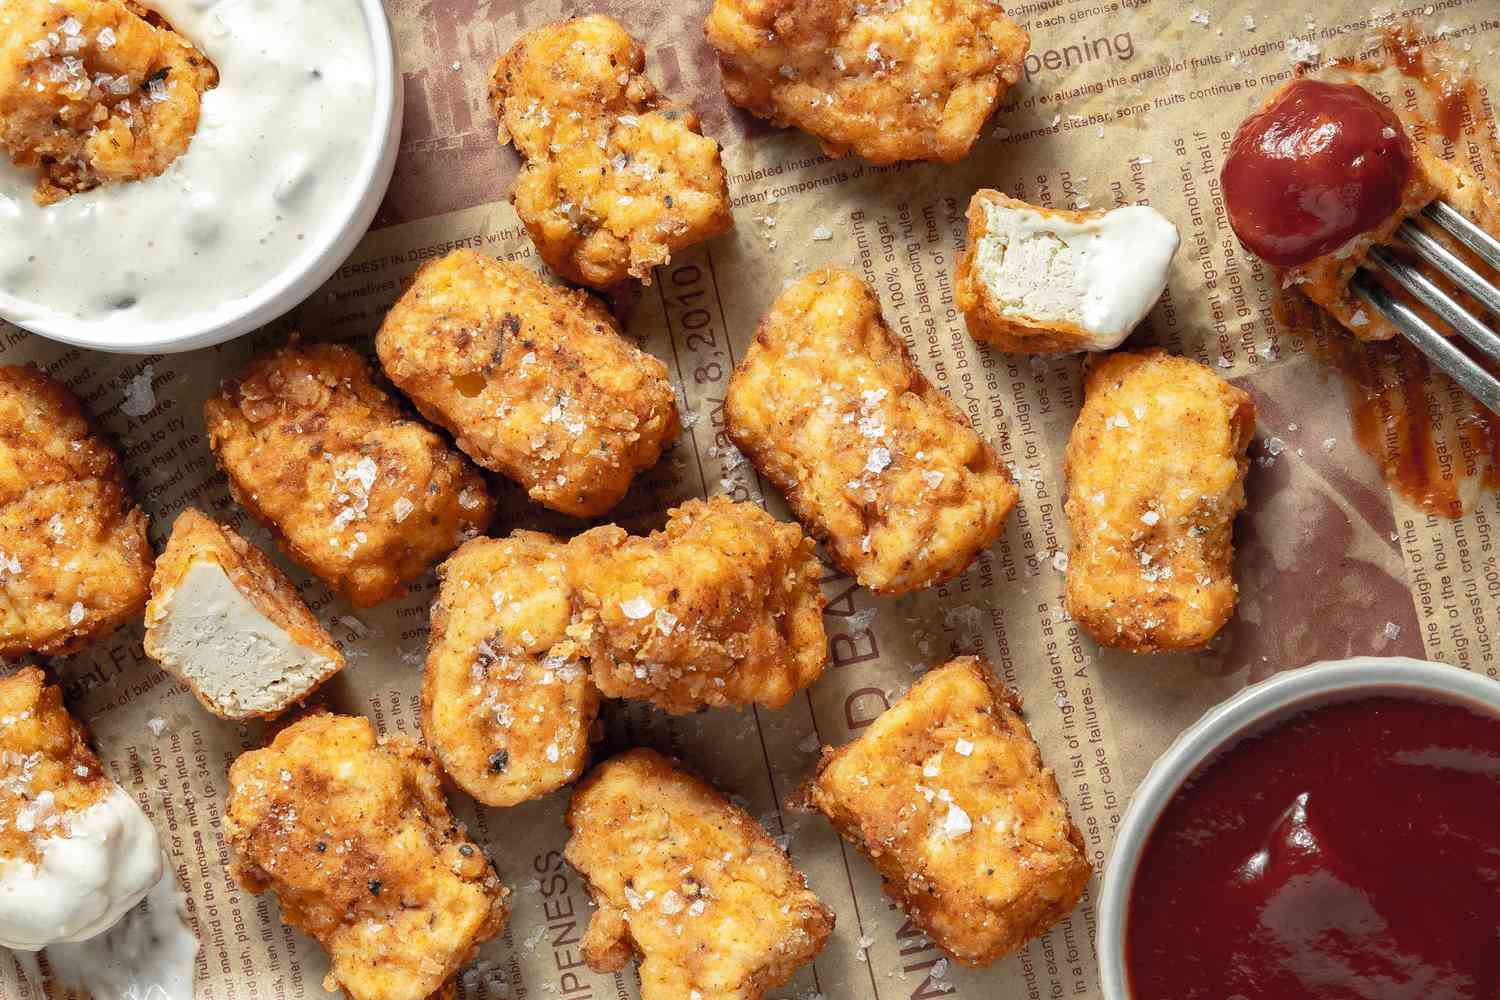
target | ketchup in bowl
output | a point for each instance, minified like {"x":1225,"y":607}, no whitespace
{"x":1352,"y":851}
{"x":1321,"y":163}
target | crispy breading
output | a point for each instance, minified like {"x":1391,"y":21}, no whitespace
{"x":356,"y":492}
{"x":721,"y":607}
{"x":95,"y":92}
{"x":533,"y":381}
{"x":354,"y":837}
{"x":946,"y":794}
{"x":46,"y":767}
{"x":874,"y":460}
{"x":75,"y":562}
{"x":196,"y":539}
{"x":616,"y":178}
{"x":688,"y":883}
{"x":1156,"y":474}
{"x":507,"y":702}
{"x":899,"y":80}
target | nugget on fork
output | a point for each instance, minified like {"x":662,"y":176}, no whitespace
{"x":828,"y":405}
{"x":616,"y":178}
{"x":535,"y":382}
{"x":356,"y":492}
{"x":688,"y":883}
{"x":946,"y":794}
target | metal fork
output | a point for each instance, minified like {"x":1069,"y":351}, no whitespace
{"x":1440,"y":350}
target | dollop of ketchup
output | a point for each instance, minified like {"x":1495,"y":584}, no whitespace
{"x":1323,"y":162}
{"x":1349,"y":853}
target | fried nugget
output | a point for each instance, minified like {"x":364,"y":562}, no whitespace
{"x":829,"y":407}
{"x":76,"y":851}
{"x":1156,"y":474}
{"x":228,"y":624}
{"x":616,"y":178}
{"x":946,"y":794}
{"x":354,"y":837}
{"x":360,"y":495}
{"x":900,"y":80}
{"x":507,"y":702}
{"x":534,"y":382}
{"x":689,"y":884}
{"x":75,"y":562}
{"x":721,"y":607}
{"x":95,"y":92}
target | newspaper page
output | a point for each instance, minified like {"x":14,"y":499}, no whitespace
{"x":1122,"y":102}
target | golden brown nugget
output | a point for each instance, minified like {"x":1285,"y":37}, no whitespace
{"x":946,"y":794}
{"x":900,"y":80}
{"x":534,"y":382}
{"x":76,"y":851}
{"x":95,"y":91}
{"x":721,"y":607}
{"x":1156,"y":474}
{"x":360,"y":495}
{"x":828,"y":406}
{"x":354,"y":837}
{"x":615,"y":177}
{"x":507,"y":702}
{"x":687,"y":883}
{"x":75,"y":562}
{"x":228,"y":624}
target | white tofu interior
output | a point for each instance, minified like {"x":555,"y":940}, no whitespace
{"x":1102,"y":275}
{"x":215,"y":638}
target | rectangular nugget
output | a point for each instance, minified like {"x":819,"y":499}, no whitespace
{"x":75,"y":562}
{"x":228,"y":624}
{"x":359,"y":494}
{"x":534,"y":382}
{"x":874,"y":460}
{"x":354,"y":837}
{"x":688,"y":883}
{"x":1156,"y":469}
{"x":947,"y":796}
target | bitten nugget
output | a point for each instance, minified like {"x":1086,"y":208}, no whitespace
{"x":721,"y":607}
{"x":1156,"y":474}
{"x":900,"y":80}
{"x":362,"y":496}
{"x":76,"y":851}
{"x":507,"y":703}
{"x":355,"y":839}
{"x":687,"y":883}
{"x":616,"y":178}
{"x":227,"y":623}
{"x":95,"y":91}
{"x":74,"y":559}
{"x":534,"y":382}
{"x":946,"y":794}
{"x":828,"y":406}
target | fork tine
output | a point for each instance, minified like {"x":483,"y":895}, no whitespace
{"x":1452,"y":265}
{"x":1439,"y":349}
{"x":1476,"y":239}
{"x":1429,"y":294}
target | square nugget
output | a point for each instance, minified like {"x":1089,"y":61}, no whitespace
{"x":75,"y":562}
{"x":616,"y":178}
{"x":688,"y":883}
{"x":946,"y":794}
{"x":534,"y":382}
{"x":357,"y":492}
{"x":899,"y":80}
{"x":827,"y":405}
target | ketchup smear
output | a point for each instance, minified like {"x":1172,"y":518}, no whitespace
{"x":1352,"y":851}
{"x":1321,"y":163}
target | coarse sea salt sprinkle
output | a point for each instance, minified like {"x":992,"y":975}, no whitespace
{"x":956,"y":823}
{"x":636,"y":608}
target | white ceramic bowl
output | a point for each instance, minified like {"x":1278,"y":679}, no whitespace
{"x":1253,"y":710}
{"x":306,"y":272}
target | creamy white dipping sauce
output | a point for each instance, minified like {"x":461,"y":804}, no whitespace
{"x":268,"y":177}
